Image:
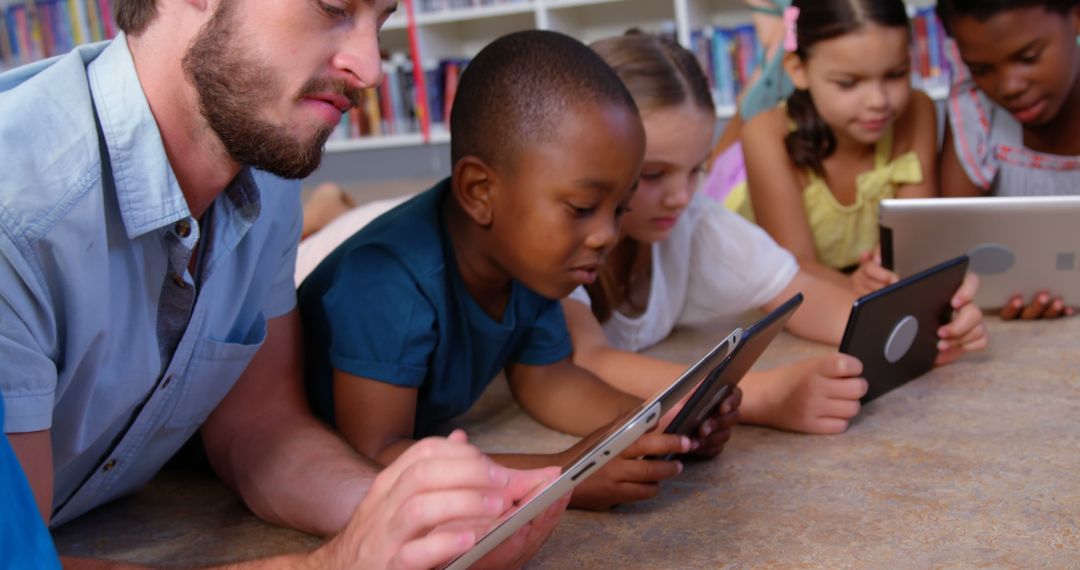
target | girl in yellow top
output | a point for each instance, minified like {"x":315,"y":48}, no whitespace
{"x":853,"y":133}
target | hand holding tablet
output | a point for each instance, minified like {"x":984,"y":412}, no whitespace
{"x":894,"y":331}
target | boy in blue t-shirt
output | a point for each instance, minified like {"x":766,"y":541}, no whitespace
{"x":410,"y":319}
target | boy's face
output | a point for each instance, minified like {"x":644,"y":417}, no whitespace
{"x":556,"y":209}
{"x":860,"y":82}
{"x":274,"y":76}
{"x":678,"y":143}
{"x":1026,"y":59}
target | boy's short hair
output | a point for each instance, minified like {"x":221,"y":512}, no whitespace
{"x":983,"y":10}
{"x":519,"y":86}
{"x":133,"y":16}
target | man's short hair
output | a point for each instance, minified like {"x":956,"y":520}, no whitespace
{"x":133,"y":16}
{"x":517,"y":89}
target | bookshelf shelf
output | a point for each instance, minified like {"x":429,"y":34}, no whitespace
{"x":386,"y":141}
{"x":474,"y":13}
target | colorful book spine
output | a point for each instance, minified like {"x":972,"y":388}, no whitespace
{"x":34,"y":29}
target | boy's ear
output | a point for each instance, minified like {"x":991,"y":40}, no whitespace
{"x":473,"y":185}
{"x":796,"y":70}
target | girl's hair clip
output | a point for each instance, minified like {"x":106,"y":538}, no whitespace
{"x":791,"y":19}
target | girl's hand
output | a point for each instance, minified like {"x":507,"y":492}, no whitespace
{"x":715,"y":431}
{"x":819,"y":396}
{"x":1042,"y":306}
{"x":871,"y":276}
{"x":629,"y":477}
{"x":966,"y":332}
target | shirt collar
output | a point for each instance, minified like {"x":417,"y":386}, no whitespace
{"x":146,"y":187}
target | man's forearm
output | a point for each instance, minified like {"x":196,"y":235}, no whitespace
{"x":298,"y":473}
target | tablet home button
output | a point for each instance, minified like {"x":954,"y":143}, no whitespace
{"x":901,"y":339}
{"x":991,"y":259}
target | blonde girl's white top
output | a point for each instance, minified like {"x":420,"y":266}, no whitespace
{"x":715,"y":265}
{"x":321,"y":243}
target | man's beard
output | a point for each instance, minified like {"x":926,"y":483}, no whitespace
{"x":231,"y":91}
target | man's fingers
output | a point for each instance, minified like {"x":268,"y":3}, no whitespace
{"x":433,"y":550}
{"x":421,"y":513}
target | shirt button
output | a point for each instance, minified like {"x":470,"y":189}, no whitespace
{"x":179,"y":280}
{"x":183,"y":228}
{"x":109,"y":465}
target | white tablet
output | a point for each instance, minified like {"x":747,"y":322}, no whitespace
{"x":608,"y":445}
{"x":1017,"y":246}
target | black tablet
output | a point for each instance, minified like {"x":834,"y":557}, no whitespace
{"x":893,"y":331}
{"x":705,"y":400}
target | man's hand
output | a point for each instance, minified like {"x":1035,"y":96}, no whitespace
{"x":630,"y":478}
{"x":430,"y":506}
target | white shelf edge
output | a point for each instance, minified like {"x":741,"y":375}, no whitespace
{"x":459,"y":14}
{"x":559,"y":4}
{"x":438,"y":136}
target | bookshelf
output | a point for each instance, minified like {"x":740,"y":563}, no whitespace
{"x":458,"y":29}
{"x":387,"y":132}
{"x":35,"y":29}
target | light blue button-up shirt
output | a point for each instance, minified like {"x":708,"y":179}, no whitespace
{"x":106,"y":338}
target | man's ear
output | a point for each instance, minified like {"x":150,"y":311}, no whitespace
{"x":796,"y":70}
{"x":473,"y":186}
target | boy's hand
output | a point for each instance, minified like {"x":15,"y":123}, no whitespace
{"x":630,"y":478}
{"x":966,"y":332}
{"x":515,"y":551}
{"x":1042,"y":306}
{"x":871,"y":275}
{"x":715,"y":431}
{"x":816,"y":396}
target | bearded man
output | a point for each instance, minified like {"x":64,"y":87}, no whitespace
{"x":149,"y":218}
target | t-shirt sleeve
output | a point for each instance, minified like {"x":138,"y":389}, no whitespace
{"x":381,"y":325}
{"x":970,"y":115}
{"x":282,"y":296}
{"x":734,"y":266}
{"x":28,"y":383}
{"x":581,"y":295}
{"x":548,"y":340}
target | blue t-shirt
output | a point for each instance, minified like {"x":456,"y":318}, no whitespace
{"x":24,"y":542}
{"x":390,"y":305}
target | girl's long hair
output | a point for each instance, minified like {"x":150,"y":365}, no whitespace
{"x":660,"y":74}
{"x":813,"y":141}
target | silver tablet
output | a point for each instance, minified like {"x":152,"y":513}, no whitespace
{"x":1017,"y":246}
{"x":607,"y":446}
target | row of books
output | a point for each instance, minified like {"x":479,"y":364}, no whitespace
{"x":394,"y":108}
{"x":36,"y":29}
{"x":731,"y":56}
{"x":441,"y":5}
{"x":930,"y":65}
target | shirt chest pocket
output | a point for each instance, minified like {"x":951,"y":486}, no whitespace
{"x":212,"y":371}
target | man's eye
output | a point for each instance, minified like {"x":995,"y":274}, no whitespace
{"x":332,"y":10}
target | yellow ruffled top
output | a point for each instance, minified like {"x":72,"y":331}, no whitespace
{"x":841,"y":232}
